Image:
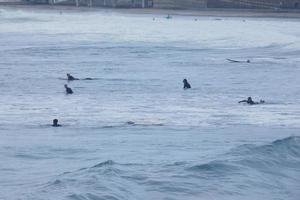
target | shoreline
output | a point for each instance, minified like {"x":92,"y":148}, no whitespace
{"x":207,"y":12}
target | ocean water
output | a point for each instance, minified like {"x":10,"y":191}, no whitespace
{"x":182,"y":144}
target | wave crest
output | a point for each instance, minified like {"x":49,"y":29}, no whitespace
{"x":282,"y":153}
{"x":103,"y":164}
{"x":214,"y":167}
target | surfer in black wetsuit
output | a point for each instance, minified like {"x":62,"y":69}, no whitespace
{"x":186,"y":84}
{"x":71,"y":78}
{"x":238,"y":61}
{"x":68,"y":90}
{"x":251,"y":102}
{"x":55,"y":123}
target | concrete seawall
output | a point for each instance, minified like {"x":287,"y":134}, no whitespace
{"x":180,"y":4}
{"x":171,"y":4}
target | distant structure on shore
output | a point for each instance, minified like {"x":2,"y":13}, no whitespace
{"x":172,"y":4}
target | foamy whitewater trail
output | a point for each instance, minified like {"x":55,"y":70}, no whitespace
{"x":133,"y":132}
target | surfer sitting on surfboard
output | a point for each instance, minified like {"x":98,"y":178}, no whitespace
{"x":68,"y":90}
{"x":186,"y":84}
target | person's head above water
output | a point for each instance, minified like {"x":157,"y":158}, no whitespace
{"x":249,"y":99}
{"x":66,"y":86}
{"x":55,"y":122}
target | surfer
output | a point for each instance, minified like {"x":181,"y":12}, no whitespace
{"x":68,"y":90}
{"x":238,"y":61}
{"x":130,"y":123}
{"x":251,"y":102}
{"x":186,"y":84}
{"x":71,"y":78}
{"x":55,"y":123}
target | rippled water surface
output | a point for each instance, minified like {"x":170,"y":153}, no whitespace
{"x":179,"y":144}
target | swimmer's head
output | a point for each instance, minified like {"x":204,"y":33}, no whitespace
{"x":66,"y":85}
{"x":55,"y":122}
{"x":184,"y":80}
{"x":249,"y":99}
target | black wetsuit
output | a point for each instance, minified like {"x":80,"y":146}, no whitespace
{"x":251,"y":102}
{"x":55,"y":123}
{"x":71,"y":78}
{"x":69,"y":90}
{"x":248,"y":102}
{"x":186,"y":85}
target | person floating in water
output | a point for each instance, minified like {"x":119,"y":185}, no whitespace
{"x":186,"y":84}
{"x":71,"y":78}
{"x":68,"y":90}
{"x":55,"y":123}
{"x":251,"y":102}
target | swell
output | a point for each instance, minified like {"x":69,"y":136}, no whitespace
{"x":131,"y":123}
{"x":268,"y":158}
{"x":255,"y":167}
{"x":103,"y":180}
{"x":279,"y":154}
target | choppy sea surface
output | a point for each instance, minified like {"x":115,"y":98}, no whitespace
{"x":180,"y":144}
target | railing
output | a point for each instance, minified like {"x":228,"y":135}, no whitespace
{"x":256,"y":4}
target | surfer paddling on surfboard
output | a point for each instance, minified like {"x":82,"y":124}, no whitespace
{"x":72,"y":78}
{"x":238,"y":61}
{"x":251,"y":102}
